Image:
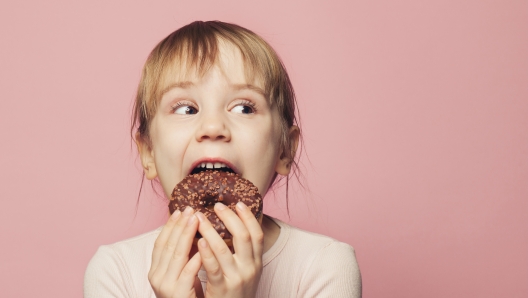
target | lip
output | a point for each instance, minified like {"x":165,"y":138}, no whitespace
{"x":213,"y":160}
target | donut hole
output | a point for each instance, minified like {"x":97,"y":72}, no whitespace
{"x":208,"y":203}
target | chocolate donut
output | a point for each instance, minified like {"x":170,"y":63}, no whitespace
{"x":203,"y":190}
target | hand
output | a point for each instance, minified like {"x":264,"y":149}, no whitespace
{"x":238,"y":274}
{"x":172,"y":274}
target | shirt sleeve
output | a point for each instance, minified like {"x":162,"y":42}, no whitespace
{"x":334,"y":272}
{"x":106,"y":275}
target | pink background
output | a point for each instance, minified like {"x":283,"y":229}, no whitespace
{"x":415,"y":116}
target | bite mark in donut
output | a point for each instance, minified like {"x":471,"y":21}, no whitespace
{"x":203,"y":190}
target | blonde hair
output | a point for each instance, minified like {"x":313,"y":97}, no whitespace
{"x":196,"y":46}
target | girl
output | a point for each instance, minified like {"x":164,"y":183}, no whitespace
{"x":217,"y":94}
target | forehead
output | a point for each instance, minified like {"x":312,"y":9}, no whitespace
{"x":229,"y":61}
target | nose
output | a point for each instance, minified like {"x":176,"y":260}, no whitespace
{"x":213,"y":128}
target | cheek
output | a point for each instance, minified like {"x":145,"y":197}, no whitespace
{"x":169,"y":150}
{"x":263,"y":139}
{"x":262,"y":152}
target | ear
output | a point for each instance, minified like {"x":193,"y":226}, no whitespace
{"x":283,"y":166}
{"x":147,"y":157}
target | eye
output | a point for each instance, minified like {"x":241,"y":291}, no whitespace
{"x":184,"y":109}
{"x":245,"y":107}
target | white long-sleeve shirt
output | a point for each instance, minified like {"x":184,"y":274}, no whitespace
{"x":299,"y":264}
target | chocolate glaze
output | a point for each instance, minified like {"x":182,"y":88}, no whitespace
{"x":203,"y":190}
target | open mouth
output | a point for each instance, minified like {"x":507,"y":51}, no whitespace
{"x":209,"y":166}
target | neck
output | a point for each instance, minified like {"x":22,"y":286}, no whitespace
{"x":271,"y":232}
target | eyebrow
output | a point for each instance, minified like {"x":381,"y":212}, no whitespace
{"x":236,"y":87}
{"x":183,"y":85}
{"x":239,"y":87}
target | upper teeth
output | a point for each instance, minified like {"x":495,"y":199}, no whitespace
{"x":210,"y":165}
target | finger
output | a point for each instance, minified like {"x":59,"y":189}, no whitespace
{"x":159,"y":245}
{"x":254,"y":228}
{"x":241,"y":237}
{"x":189,"y":273}
{"x":172,"y":242}
{"x":221,"y":251}
{"x":181,"y":253}
{"x":211,"y":265}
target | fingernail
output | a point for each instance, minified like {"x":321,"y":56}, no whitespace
{"x":202,"y":243}
{"x":241,"y":206}
{"x":176,"y":214}
{"x":191,"y":220}
{"x":220,"y":206}
{"x":188,"y":211}
{"x":200,"y":216}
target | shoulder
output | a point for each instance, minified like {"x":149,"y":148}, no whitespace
{"x":330,"y":266}
{"x":129,"y":252}
{"x":117,"y":269}
{"x":136,"y":246}
{"x":313,"y":243}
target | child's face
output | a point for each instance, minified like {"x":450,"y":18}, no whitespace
{"x":219,"y":117}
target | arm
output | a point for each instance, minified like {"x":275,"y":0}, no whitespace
{"x":333,"y":273}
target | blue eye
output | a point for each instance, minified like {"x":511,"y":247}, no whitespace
{"x":184,"y":110}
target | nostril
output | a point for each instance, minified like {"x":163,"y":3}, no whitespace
{"x":206,"y":137}
{"x":213,"y":130}
{"x":219,"y":137}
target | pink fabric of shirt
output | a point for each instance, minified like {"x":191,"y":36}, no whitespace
{"x":299,"y":264}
